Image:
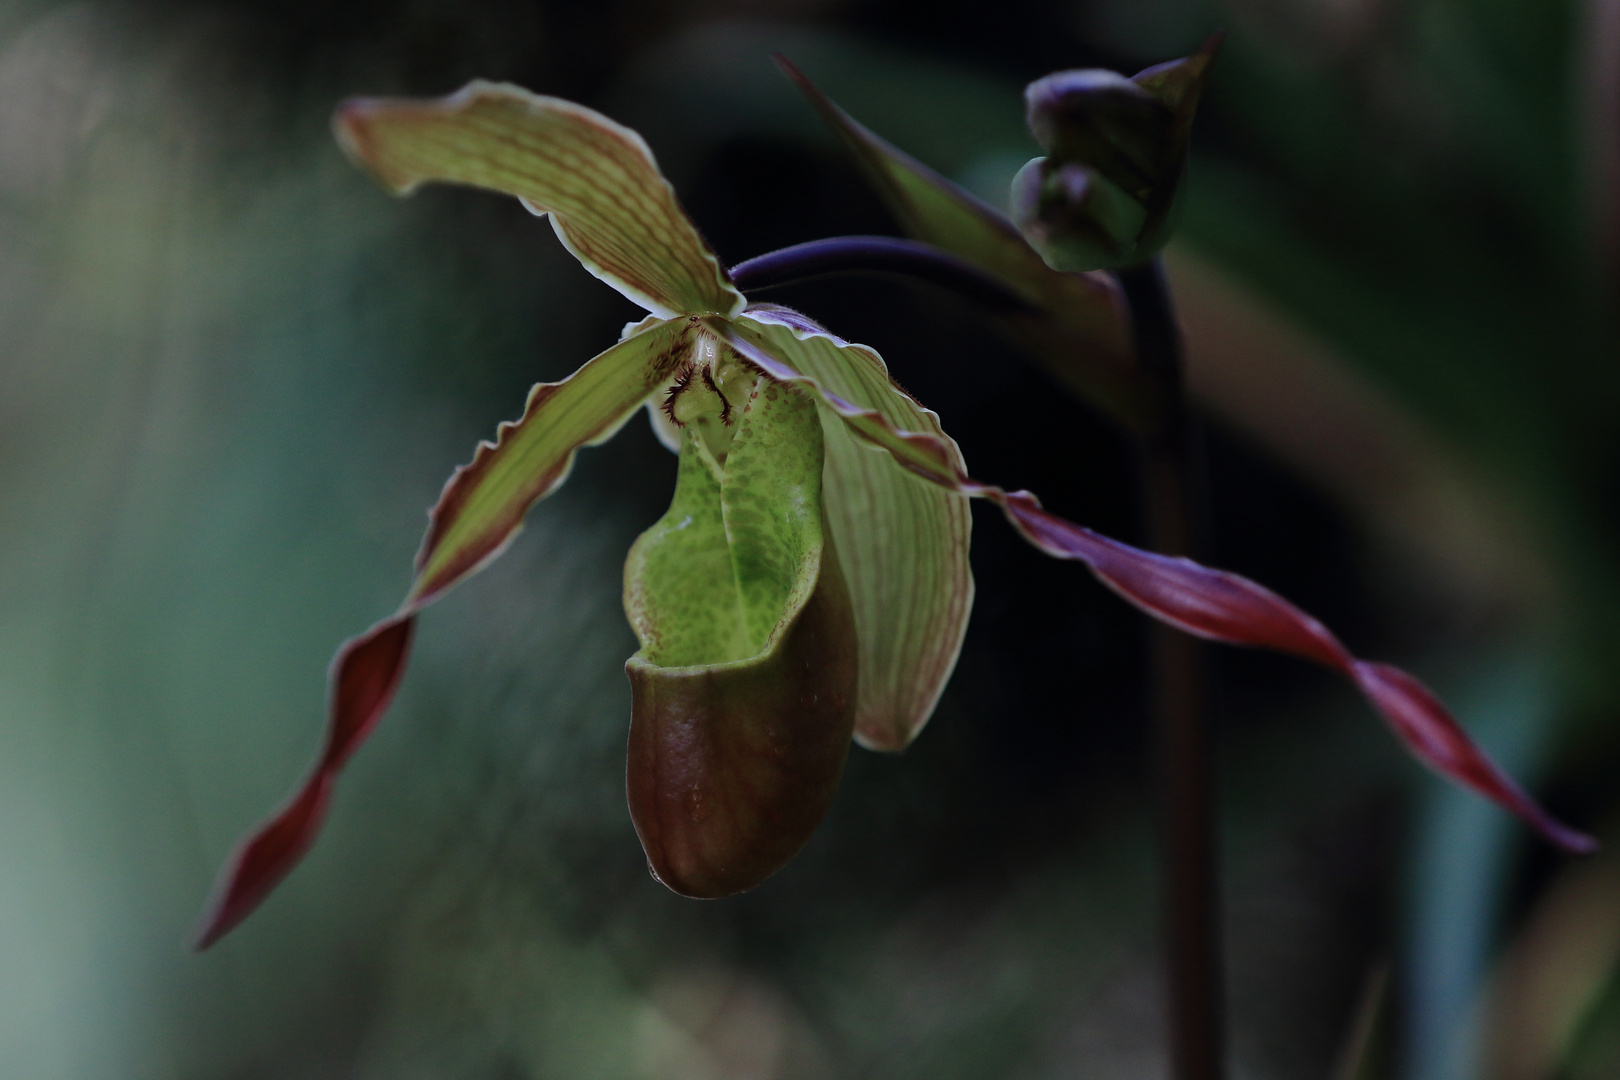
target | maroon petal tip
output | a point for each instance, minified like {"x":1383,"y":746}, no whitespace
{"x":1435,"y":738}
{"x":365,"y":674}
{"x":264,"y":859}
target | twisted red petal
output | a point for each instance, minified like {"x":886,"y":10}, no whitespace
{"x":1224,"y":607}
{"x":1428,"y":731}
{"x":1211,"y":604}
{"x":480,"y":510}
{"x":365,"y":674}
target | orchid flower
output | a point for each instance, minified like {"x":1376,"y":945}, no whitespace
{"x":810,"y":580}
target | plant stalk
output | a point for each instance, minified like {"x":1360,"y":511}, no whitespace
{"x":1173,"y":494}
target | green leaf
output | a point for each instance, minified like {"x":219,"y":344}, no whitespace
{"x":1363,"y":1045}
{"x":608,"y":202}
{"x":482,"y":505}
{"x":1080,"y":333}
{"x":903,"y":545}
{"x":744,"y":688}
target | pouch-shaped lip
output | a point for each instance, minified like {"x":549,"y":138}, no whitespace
{"x":732,"y":766}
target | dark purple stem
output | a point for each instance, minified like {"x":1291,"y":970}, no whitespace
{"x":1172,"y":488}
{"x":877,"y":255}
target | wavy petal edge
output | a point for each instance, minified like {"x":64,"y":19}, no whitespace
{"x":367,"y":669}
{"x":591,"y":174}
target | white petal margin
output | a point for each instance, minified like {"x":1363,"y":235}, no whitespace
{"x":903,"y":542}
{"x":609,"y":204}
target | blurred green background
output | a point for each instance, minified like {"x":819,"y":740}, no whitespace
{"x":233,"y":374}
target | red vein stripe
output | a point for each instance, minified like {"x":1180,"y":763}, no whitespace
{"x":1211,"y":604}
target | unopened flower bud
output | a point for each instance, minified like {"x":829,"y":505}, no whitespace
{"x":1106,"y":193}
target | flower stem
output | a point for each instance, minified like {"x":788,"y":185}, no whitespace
{"x":876,"y":255}
{"x":1172,"y":487}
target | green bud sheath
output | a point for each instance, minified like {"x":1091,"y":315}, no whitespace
{"x":744,"y":688}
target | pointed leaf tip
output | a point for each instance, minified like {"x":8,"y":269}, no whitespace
{"x":365,"y":674}
{"x":1173,"y":80}
{"x":264,"y":860}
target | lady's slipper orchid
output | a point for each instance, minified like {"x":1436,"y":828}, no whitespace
{"x":810,"y":580}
